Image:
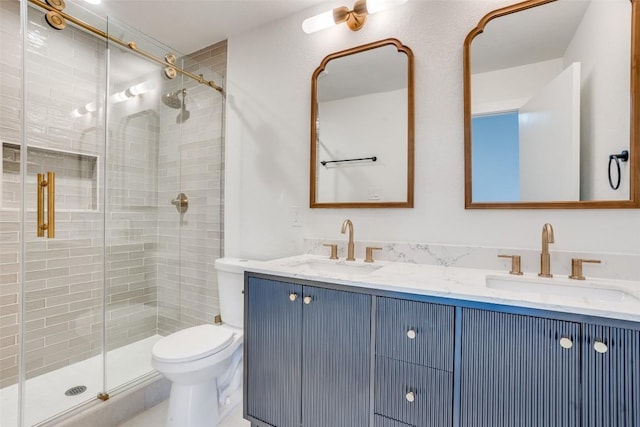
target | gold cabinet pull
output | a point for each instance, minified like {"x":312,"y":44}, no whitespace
{"x":50,"y":184}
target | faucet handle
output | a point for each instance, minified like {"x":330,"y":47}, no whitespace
{"x":369,"y":253}
{"x":515,"y":264}
{"x":334,"y":250}
{"x":576,"y":267}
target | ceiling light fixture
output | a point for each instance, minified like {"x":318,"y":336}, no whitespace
{"x":355,"y":18}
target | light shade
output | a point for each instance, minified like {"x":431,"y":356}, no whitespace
{"x":318,"y":22}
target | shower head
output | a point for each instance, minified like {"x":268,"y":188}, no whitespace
{"x":171,"y":99}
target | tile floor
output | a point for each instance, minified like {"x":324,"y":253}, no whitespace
{"x":155,"y":417}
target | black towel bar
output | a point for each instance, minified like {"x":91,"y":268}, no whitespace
{"x":325,"y":162}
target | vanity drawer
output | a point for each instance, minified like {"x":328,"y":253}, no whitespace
{"x":415,"y":332}
{"x":413,"y":394}
{"x":380,"y":421}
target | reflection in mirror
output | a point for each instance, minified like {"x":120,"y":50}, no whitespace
{"x":362,"y":128}
{"x":547,"y":103}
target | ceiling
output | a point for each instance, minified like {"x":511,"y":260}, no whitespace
{"x":190,"y":25}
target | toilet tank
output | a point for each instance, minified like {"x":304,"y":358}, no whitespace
{"x":230,"y":273}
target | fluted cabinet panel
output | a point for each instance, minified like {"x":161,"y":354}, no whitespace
{"x":431,"y":328}
{"x":380,"y":421}
{"x":611,"y":377}
{"x":273,"y":337}
{"x":515,"y":372}
{"x":336,"y":348}
{"x":432,"y":393}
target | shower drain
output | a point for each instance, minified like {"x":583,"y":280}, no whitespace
{"x":74,"y":391}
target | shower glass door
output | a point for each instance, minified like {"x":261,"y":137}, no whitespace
{"x":62,"y":158}
{"x":136,"y":187}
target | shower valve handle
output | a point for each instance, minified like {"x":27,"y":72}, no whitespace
{"x":181,"y":202}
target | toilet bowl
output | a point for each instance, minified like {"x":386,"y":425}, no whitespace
{"x":204,"y":363}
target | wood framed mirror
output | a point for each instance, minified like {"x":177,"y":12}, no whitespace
{"x":551,"y":106}
{"x":362,"y":127}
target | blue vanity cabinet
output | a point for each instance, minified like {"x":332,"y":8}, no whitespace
{"x":414,"y":360}
{"x":307,"y":355}
{"x":518,"y":371}
{"x":611,"y":377}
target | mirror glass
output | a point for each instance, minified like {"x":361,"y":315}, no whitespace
{"x":362,"y":128}
{"x":548,"y":110}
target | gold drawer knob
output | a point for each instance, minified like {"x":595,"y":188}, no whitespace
{"x":293,"y":296}
{"x":566,"y":343}
{"x":411,"y":334}
{"x":600,"y":347}
{"x":307,"y":300}
{"x":411,"y":396}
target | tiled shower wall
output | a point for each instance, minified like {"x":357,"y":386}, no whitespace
{"x":159,"y":266}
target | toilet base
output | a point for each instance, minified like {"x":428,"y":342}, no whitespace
{"x":193,"y":405}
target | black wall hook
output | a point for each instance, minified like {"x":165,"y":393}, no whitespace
{"x":622,"y":157}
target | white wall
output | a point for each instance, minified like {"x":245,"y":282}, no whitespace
{"x":510,"y":88}
{"x":363,"y":126}
{"x":267,"y":145}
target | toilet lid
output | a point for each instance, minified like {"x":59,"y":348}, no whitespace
{"x":192,"y":343}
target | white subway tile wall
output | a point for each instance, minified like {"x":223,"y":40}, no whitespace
{"x":151,"y":267}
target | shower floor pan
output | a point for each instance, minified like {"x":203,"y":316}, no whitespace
{"x":45,"y":395}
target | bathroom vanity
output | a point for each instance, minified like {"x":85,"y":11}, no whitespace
{"x":334,"y":343}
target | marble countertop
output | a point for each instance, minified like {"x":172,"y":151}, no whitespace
{"x":616,"y":299}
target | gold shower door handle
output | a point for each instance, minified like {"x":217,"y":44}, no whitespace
{"x":50,"y":184}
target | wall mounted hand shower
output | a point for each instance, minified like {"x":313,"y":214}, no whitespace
{"x":184,"y":114}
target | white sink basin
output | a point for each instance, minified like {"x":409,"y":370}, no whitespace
{"x":335,"y":266}
{"x":586,"y":291}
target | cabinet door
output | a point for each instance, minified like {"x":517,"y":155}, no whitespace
{"x":516,"y":372}
{"x":336,"y":352}
{"x":273,"y":333}
{"x":611,"y":377}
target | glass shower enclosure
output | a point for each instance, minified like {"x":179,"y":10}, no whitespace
{"x":111,"y":210}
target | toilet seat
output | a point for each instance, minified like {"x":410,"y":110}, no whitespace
{"x":192,"y":343}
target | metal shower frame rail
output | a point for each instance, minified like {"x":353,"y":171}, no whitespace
{"x":128,"y":45}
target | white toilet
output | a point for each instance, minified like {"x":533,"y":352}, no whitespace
{"x":204,"y":363}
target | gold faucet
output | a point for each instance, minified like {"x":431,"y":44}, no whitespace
{"x":350,"y":246}
{"x":545,"y":258}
